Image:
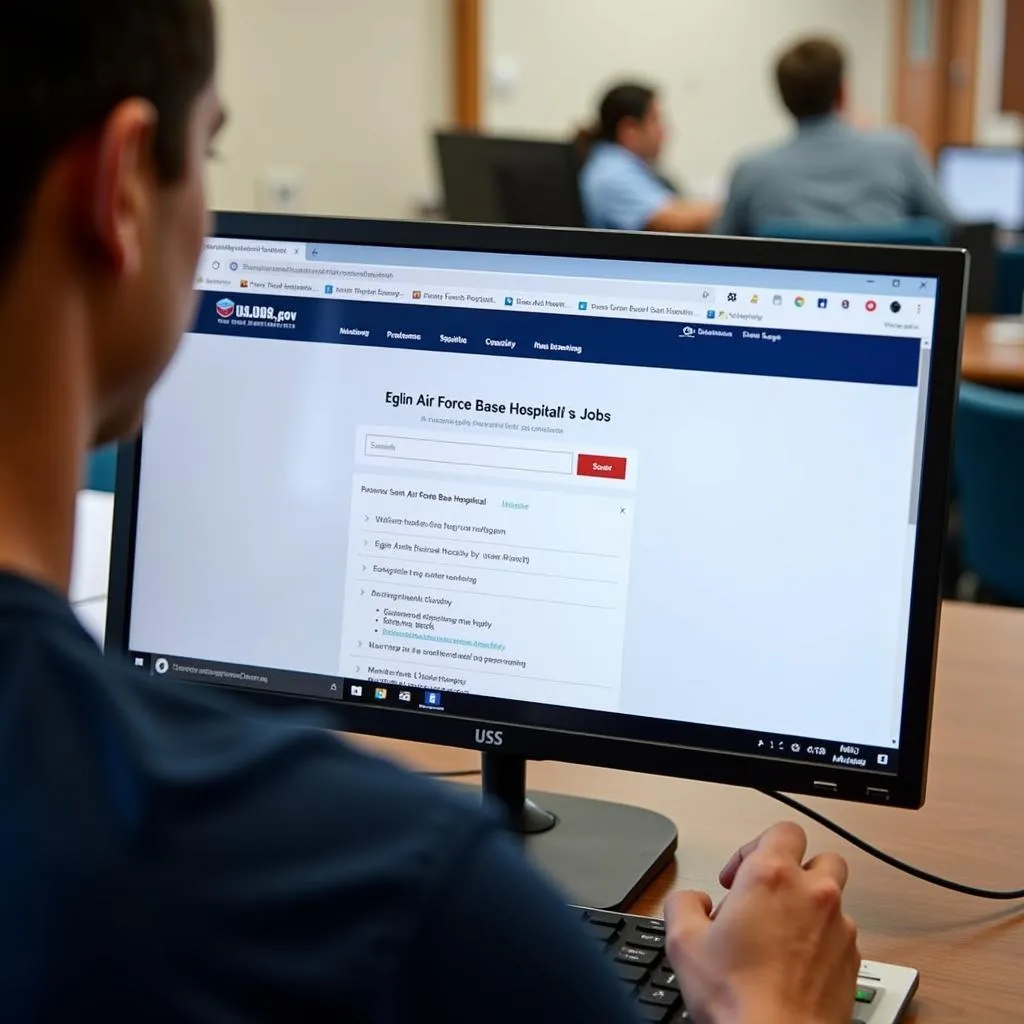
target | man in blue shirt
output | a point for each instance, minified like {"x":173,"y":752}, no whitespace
{"x":169,"y":854}
{"x":829,"y":172}
{"x":619,"y":186}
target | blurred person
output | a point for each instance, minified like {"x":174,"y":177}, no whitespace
{"x":619,"y":184}
{"x":170,"y":853}
{"x":830,"y":172}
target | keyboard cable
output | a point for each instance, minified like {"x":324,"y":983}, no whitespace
{"x":888,"y":858}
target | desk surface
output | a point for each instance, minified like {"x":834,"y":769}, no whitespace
{"x":970,"y":953}
{"x":993,"y":355}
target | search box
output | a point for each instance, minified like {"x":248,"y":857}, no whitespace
{"x":466,"y":453}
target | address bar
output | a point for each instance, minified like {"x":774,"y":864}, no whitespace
{"x":306,"y":269}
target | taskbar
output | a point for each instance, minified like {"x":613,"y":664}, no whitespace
{"x":433,"y":695}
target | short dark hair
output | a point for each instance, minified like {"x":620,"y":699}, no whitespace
{"x":66,"y":64}
{"x":810,"y":77}
{"x":629,"y":99}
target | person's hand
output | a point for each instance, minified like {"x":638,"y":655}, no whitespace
{"x":779,"y":949}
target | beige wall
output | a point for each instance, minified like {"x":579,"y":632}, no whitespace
{"x":991,"y":126}
{"x":549,"y":60}
{"x":336,"y":95}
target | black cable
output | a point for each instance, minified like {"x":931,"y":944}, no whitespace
{"x":463,"y":774}
{"x":895,"y":862}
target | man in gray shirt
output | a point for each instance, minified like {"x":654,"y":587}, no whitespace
{"x":829,"y":172}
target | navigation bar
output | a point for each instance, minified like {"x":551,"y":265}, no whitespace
{"x":715,"y":348}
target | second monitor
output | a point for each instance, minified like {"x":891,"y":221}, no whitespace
{"x":984,"y":184}
{"x":493,"y":180}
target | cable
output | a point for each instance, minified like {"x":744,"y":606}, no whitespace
{"x":895,"y":862}
{"x":463,"y":774}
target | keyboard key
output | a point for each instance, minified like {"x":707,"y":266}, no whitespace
{"x":631,"y":973}
{"x":647,"y":940}
{"x":603,"y":917}
{"x":865,"y":994}
{"x":604,"y":933}
{"x":660,"y":997}
{"x":651,"y":924}
{"x":665,"y":977}
{"x":632,"y":955}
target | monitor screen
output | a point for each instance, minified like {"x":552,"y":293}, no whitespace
{"x":666,"y":502}
{"x":984,"y":185}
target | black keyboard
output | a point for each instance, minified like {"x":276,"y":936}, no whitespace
{"x":635,"y":948}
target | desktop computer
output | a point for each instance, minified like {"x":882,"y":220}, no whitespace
{"x":492,"y":180}
{"x":984,"y":184}
{"x":667,"y":504}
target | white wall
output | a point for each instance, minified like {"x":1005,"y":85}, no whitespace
{"x":711,"y":58}
{"x":340,"y":95}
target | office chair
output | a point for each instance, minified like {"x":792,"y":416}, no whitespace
{"x":1010,"y":281}
{"x":914,"y":231}
{"x":989,"y":454}
{"x":102,"y":469}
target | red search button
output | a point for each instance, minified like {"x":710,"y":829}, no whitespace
{"x":611,"y":467}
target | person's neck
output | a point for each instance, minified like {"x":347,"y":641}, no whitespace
{"x":43,"y":430}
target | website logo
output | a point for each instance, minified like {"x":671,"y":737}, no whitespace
{"x":508,"y":300}
{"x":244,"y":283}
{"x":871,"y":305}
{"x":688,"y":332}
{"x":356,"y":690}
{"x":380,"y":693}
{"x":711,"y":314}
{"x":234,"y":267}
{"x":799,"y":301}
{"x":894,"y":307}
{"x":845,"y":303}
{"x":405,"y":697}
{"x":755,"y":299}
{"x":328,"y":289}
{"x":267,"y":314}
{"x":225,"y":309}
{"x":822,"y":303}
{"x":432,"y":699}
{"x":417,"y":294}
{"x":583,"y":307}
{"x":776,"y":300}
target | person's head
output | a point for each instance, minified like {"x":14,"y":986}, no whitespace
{"x":810,"y":77}
{"x":108,"y":109}
{"x":630,"y":115}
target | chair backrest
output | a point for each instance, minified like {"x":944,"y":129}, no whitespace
{"x":914,"y":231}
{"x":990,"y":487}
{"x":102,"y":472}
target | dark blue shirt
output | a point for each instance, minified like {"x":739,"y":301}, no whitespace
{"x":169,"y":854}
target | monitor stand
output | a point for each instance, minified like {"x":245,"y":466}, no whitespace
{"x":602,"y":855}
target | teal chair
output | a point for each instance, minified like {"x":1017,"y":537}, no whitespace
{"x":989,"y":464}
{"x":102,"y":470}
{"x":1010,"y":281}
{"x":915,"y":231}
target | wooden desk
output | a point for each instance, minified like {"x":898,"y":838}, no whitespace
{"x":987,"y":360}
{"x":970,"y":952}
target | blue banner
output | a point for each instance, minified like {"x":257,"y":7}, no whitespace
{"x":713,"y":347}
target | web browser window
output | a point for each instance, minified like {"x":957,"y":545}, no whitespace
{"x":427,"y":480}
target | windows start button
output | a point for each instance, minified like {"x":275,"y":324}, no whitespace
{"x":611,"y":467}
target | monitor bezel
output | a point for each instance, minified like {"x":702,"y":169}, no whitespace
{"x":904,"y":789}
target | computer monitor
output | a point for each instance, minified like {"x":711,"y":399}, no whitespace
{"x":667,"y":504}
{"x":492,"y":180}
{"x":984,"y":183}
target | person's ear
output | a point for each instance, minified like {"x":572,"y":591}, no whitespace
{"x":120,"y":190}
